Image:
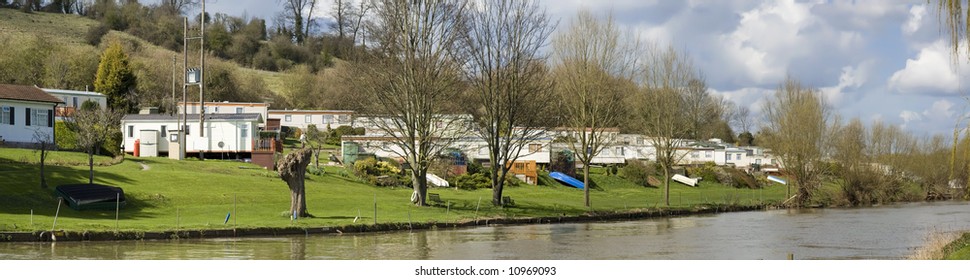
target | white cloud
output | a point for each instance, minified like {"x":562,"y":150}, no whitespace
{"x":852,"y":78}
{"x":910,"y":116}
{"x":930,"y":73}
{"x":915,"y":21}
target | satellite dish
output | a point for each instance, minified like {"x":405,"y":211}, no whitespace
{"x":221,"y":144}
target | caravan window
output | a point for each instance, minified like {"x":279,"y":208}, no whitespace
{"x":239,"y":110}
{"x":244,"y":131}
{"x":131,"y":131}
{"x":5,"y":115}
{"x":163,"y":131}
{"x":307,"y":118}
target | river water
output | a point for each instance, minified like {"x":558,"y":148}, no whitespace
{"x":887,"y":232}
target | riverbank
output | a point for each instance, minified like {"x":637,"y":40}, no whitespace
{"x":48,"y":236}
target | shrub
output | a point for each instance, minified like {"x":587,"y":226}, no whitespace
{"x":474,"y":167}
{"x":380,"y":173}
{"x":95,"y":33}
{"x":314,"y":170}
{"x":112,"y":145}
{"x":64,"y":137}
{"x":470,"y":181}
{"x":638,"y":172}
{"x":707,"y":172}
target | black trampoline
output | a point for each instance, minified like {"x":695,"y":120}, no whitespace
{"x":91,"y":196}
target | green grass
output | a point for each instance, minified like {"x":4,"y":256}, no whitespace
{"x":61,"y":28}
{"x":958,"y":249}
{"x":66,"y":158}
{"x":199,"y":194}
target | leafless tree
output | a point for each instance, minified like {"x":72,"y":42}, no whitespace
{"x":93,"y":127}
{"x":664,"y":107}
{"x":416,"y":72}
{"x":742,"y":118}
{"x":594,"y":65}
{"x":360,"y":15}
{"x":45,"y":143}
{"x":796,"y":122}
{"x":508,"y":80}
{"x":177,"y":7}
{"x":300,"y":13}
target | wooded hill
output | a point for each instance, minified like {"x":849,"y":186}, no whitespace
{"x":62,"y":51}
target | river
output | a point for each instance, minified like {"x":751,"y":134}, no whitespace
{"x":885,"y":232}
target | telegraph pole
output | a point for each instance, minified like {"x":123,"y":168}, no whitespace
{"x":202,"y":75}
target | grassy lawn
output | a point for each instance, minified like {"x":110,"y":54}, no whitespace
{"x":200,"y":194}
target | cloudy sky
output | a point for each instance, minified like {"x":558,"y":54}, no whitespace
{"x":873,"y":59}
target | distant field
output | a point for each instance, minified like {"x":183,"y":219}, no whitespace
{"x":199,"y":195}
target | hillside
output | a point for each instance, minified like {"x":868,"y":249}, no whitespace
{"x":67,"y":32}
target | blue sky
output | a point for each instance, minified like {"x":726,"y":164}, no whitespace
{"x":872,"y":59}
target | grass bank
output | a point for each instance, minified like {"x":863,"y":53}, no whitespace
{"x":197,"y":195}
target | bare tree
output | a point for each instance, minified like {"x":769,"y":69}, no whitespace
{"x":594,"y":65}
{"x":742,"y":118}
{"x":358,"y":28}
{"x":314,"y":139}
{"x":45,"y":143}
{"x":342,"y":12}
{"x":508,"y":79}
{"x":300,"y":13}
{"x":416,"y":73}
{"x":93,"y":127}
{"x":177,"y":7}
{"x":672,"y":85}
{"x":796,"y":120}
{"x":292,"y":170}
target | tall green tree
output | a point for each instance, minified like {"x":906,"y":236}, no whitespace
{"x":115,"y":79}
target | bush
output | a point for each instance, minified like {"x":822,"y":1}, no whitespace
{"x":470,"y":181}
{"x":638,"y":172}
{"x":64,"y":137}
{"x":708,"y":172}
{"x":95,"y":33}
{"x":313,"y":170}
{"x":112,"y":145}
{"x":333,"y":136}
{"x":380,"y":173}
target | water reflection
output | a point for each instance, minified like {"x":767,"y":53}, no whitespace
{"x":890,"y":232}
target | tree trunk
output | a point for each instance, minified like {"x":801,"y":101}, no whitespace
{"x":420,"y":184}
{"x":316,"y":158}
{"x":586,"y":184}
{"x":43,"y":157}
{"x":292,"y":169}
{"x":496,"y":186}
{"x":90,"y":166}
{"x":666,"y":186}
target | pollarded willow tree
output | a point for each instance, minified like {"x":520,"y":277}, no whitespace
{"x":796,"y":125}
{"x":508,"y":78}
{"x":594,"y":67}
{"x":292,"y":170}
{"x":412,"y":76}
{"x":662,"y":109}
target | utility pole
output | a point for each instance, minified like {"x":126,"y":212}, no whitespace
{"x":202,"y":75}
{"x":174,"y":77}
{"x":184,"y":117}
